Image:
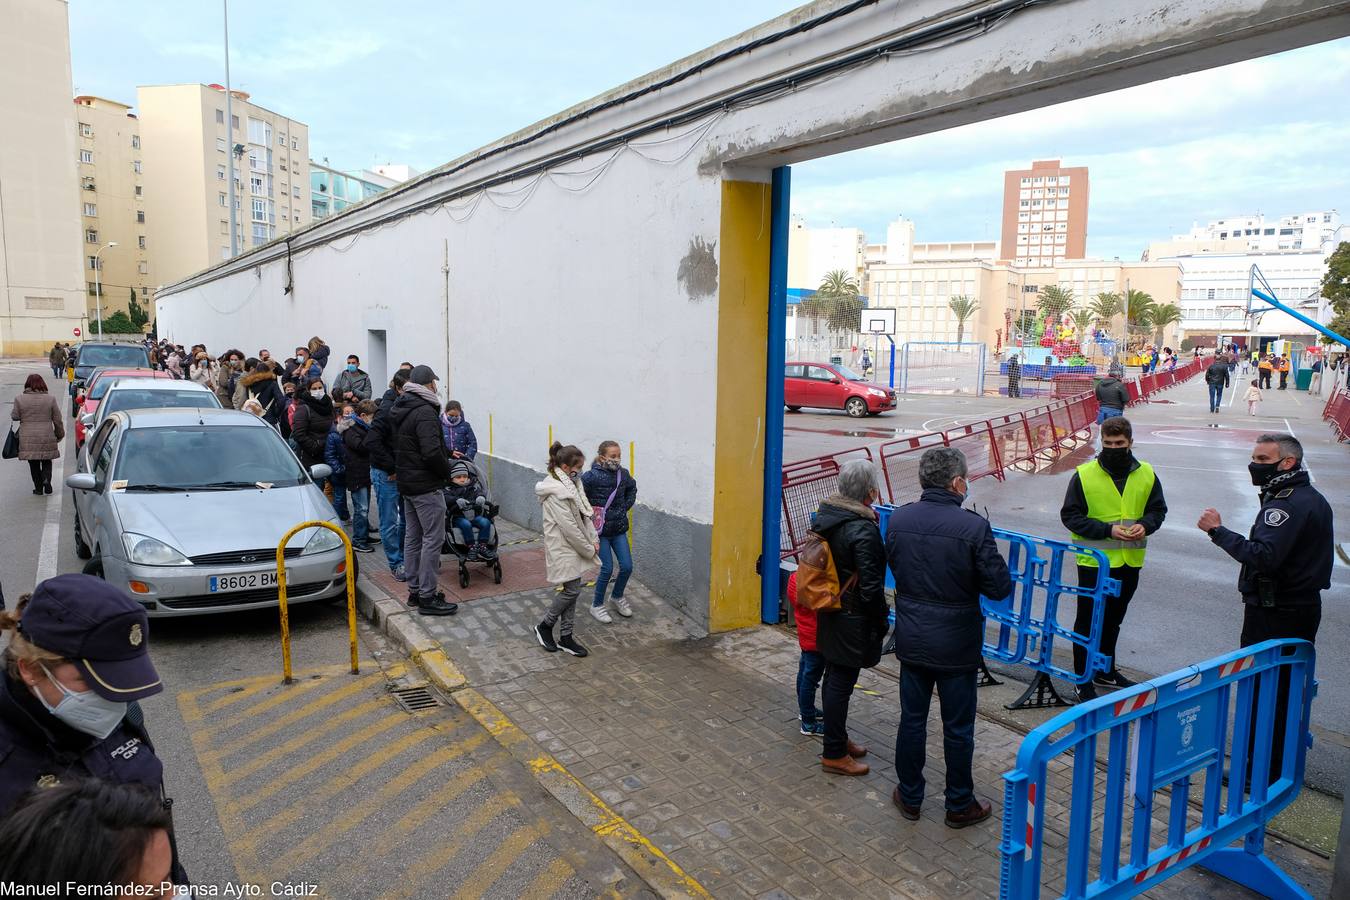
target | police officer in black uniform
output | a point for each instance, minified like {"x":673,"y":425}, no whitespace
{"x":77,"y":661}
{"x":1286,"y":559}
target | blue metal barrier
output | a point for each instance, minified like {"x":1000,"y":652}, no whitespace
{"x":1160,"y":735}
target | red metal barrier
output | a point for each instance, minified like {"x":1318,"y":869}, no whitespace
{"x":1337,"y":414}
{"x":1012,"y":440}
{"x":1071,"y":385}
{"x":977,"y":443}
{"x":803,"y":489}
{"x":1041,"y":433}
{"x":900,"y":465}
{"x":1132,"y":391}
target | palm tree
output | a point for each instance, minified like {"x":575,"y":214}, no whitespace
{"x":1163,"y":315}
{"x":1082,"y":320}
{"x":1105,"y":307}
{"x":837,"y":300}
{"x":1054,"y":300}
{"x":1139,"y":308}
{"x":963,"y":308}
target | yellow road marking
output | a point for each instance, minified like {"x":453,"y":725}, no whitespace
{"x":548,"y":882}
{"x":491,"y":869}
{"x":313,"y":763}
{"x":285,"y":694}
{"x":301,"y":741}
{"x":322,"y":839}
{"x":438,"y":857}
{"x":319,"y":703}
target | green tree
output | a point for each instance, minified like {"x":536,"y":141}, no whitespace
{"x":1054,"y":301}
{"x":117,"y":323}
{"x":1105,"y":307}
{"x":136,"y":313}
{"x":1336,"y":289}
{"x":1082,"y":320}
{"x":1163,"y":315}
{"x":837,"y":300}
{"x":1139,"y":308}
{"x":963,"y":308}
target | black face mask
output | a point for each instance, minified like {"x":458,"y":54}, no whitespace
{"x":1116,"y":460}
{"x":1262,"y":472}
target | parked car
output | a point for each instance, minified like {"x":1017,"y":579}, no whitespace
{"x":834,"y":387}
{"x":148,"y":393}
{"x":88,"y":397}
{"x":93,"y":355}
{"x":155,"y":486}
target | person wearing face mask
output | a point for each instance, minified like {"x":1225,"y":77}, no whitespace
{"x":571,"y":546}
{"x":1286,"y":558}
{"x":305,"y":369}
{"x":77,"y":659}
{"x":311,"y":423}
{"x":352,"y":384}
{"x":612,"y":490}
{"x":1112,"y":503}
{"x":943,"y":558}
{"x":459,"y":436}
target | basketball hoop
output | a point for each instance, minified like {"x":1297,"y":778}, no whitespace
{"x":880,"y":320}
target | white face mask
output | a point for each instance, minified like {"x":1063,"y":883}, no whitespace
{"x":84,"y":711}
{"x":317,"y":394}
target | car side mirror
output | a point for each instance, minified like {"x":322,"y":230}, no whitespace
{"x":320,"y":472}
{"x":87,"y":420}
{"x":82,"y":481}
{"x":836,"y":380}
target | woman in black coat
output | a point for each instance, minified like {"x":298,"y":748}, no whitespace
{"x":312,"y":422}
{"x":850,"y":638}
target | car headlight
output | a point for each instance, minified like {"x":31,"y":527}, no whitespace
{"x":322,"y":541}
{"x":146,"y":551}
{"x":876,"y":393}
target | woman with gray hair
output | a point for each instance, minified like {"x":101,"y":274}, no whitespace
{"x":850,"y":638}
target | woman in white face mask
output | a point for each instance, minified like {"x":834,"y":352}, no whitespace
{"x":78,"y":658}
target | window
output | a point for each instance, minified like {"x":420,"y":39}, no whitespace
{"x":259,"y":132}
{"x":1209,"y":295}
{"x":86,"y":156}
{"x":297,"y":217}
{"x":281,"y":139}
{"x":138,"y":190}
{"x":295,"y":143}
{"x":93,"y":288}
{"x":140,"y":242}
{"x":1026,"y":181}
{"x":1286,"y":231}
{"x":220,"y":144}
{"x":136,"y":166}
{"x":220,"y":117}
{"x":87,"y":182}
{"x":255,"y":184}
{"x":222,"y":198}
{"x":260,"y":210}
{"x":259,"y":233}
{"x":234,"y":123}
{"x":95,"y":262}
{"x":90,"y":236}
{"x":140,"y":216}
{"x":295,"y":190}
{"x":86,"y":130}
{"x":220,"y":173}
{"x":224,"y":226}
{"x":224,"y":252}
{"x":91,"y":209}
{"x":135,"y":142}
{"x":143,"y":267}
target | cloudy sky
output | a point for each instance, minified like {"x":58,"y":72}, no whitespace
{"x":423,"y":82}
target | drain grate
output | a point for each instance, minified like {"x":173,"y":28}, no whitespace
{"x":415,"y":699}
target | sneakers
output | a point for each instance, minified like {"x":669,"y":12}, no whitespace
{"x":813,"y":729}
{"x":600,"y":614}
{"x":471,"y":554}
{"x":1112,"y":679}
{"x":1086,"y":692}
{"x":820,"y":715}
{"x":413,"y":600}
{"x":486,"y":553}
{"x":398,"y":573}
{"x":362,"y":548}
{"x":568,"y":644}
{"x":437,"y":606}
{"x":621,"y":604}
{"x":544,"y":635}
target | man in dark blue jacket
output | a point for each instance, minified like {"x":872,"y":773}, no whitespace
{"x":943,"y":558}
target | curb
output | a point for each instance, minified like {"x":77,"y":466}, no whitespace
{"x":662,"y":874}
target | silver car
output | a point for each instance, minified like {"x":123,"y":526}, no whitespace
{"x":150,"y":393}
{"x":183,"y":509}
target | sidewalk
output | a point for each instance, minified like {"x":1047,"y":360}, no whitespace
{"x":694,"y":742}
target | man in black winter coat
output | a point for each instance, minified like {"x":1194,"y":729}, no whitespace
{"x":422,"y":469}
{"x":1216,"y":377}
{"x":383,"y":483}
{"x":943,"y":558}
{"x":1112,"y":398}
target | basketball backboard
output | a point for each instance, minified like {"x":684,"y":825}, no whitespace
{"x":880,"y":320}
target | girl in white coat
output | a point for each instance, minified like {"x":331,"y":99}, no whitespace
{"x":571,"y":547}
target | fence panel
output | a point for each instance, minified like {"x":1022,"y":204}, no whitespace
{"x":1041,"y":432}
{"x":900,"y":465}
{"x":1012,"y":440}
{"x":1072,"y":385}
{"x":935,"y":367}
{"x":803,"y":489}
{"x":977,"y":443}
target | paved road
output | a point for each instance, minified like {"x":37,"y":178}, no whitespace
{"x":328,"y":781}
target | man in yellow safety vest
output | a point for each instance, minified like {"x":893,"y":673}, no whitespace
{"x":1112,"y":503}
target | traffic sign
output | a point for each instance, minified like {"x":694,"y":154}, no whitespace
{"x":77,"y":332}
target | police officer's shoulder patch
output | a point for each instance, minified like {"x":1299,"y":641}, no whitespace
{"x":1276,"y":517}
{"x":1287,"y":492}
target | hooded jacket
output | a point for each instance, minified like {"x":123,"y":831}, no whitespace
{"x":357,"y":382}
{"x":598,"y":483}
{"x":1111,"y":392}
{"x":852,"y":636}
{"x":943,"y":558}
{"x":421,"y":462}
{"x":459,"y":437}
{"x":354,"y":438}
{"x":569,"y":536}
{"x":261,"y":385}
{"x":309,"y":428}
{"x":335,"y":451}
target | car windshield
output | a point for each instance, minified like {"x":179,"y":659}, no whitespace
{"x":102,"y":355}
{"x":848,"y":373}
{"x":206,"y":457}
{"x":139,"y":398}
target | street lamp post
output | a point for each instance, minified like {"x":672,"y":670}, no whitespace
{"x":229,"y":130}
{"x":98,"y":285}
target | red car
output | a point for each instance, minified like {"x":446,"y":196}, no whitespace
{"x":834,"y":387}
{"x":88,"y":397}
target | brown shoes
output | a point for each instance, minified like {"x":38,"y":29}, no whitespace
{"x":977,"y":811}
{"x":855,"y":751}
{"x":909,"y":812}
{"x":844,"y":765}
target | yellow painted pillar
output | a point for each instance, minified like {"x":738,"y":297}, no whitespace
{"x":738,"y":469}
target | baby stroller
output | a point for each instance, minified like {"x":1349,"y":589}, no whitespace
{"x":454,"y":541}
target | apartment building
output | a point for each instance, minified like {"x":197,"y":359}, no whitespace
{"x":112,"y":206}
{"x":190,"y":155}
{"x":333,"y":190}
{"x":42,"y":293}
{"x":1045,"y":211}
{"x":1310,"y":231}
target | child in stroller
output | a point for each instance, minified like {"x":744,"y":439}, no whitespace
{"x":469,"y":513}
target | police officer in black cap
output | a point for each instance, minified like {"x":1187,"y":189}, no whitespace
{"x":1286,"y":559}
{"x":77,"y":661}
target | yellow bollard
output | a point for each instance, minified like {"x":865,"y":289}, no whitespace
{"x":550,"y":436}
{"x":281,"y":595}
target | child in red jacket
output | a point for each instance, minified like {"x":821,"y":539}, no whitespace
{"x":810,"y":668}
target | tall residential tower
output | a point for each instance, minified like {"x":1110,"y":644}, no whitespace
{"x":1045,"y":211}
